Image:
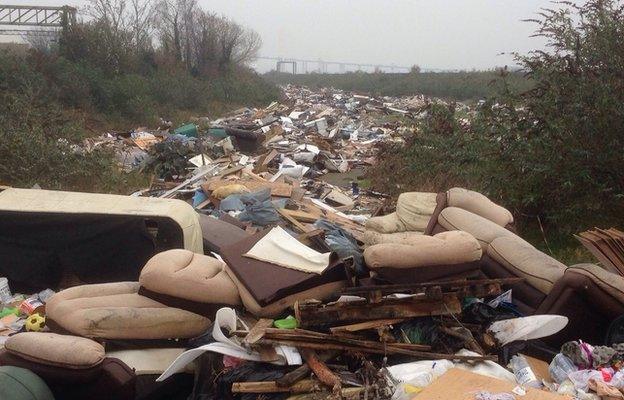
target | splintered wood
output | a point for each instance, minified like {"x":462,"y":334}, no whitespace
{"x":315,"y":314}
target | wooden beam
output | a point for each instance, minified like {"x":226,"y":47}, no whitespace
{"x":314,"y":314}
{"x":366,"y":325}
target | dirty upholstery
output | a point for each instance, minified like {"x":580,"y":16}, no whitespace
{"x":484,"y":230}
{"x":217,"y":233}
{"x":56,"y":350}
{"x":591,"y":297}
{"x":538,"y":269}
{"x":117,"y":311}
{"x":471,"y":201}
{"x":479,"y":204}
{"x":267,"y":289}
{"x":510,"y":257}
{"x":371,"y":237}
{"x":194,"y":282}
{"x":413,"y":212}
{"x":75,"y":368}
{"x":426,"y":258}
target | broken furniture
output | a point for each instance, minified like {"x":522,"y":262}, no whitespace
{"x":218,"y":233}
{"x":74,"y":368}
{"x":56,"y":239}
{"x":505,"y":254}
{"x":267,"y":289}
{"x":425,"y":258}
{"x":413,"y":212}
{"x":117,"y":311}
{"x":189,"y":281}
{"x":473,"y":202}
{"x":193,"y":285}
{"x":591,"y":297}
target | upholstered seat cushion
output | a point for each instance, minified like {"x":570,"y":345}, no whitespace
{"x":478,"y":204}
{"x":484,"y":230}
{"x":271,"y":310}
{"x":446,"y":248}
{"x":186,"y":275}
{"x":371,"y":237}
{"x":452,"y":254}
{"x":56,"y":350}
{"x":521,"y":259}
{"x":412,"y":213}
{"x":117,"y":311}
{"x":607,"y":281}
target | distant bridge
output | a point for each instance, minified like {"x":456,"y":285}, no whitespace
{"x":45,"y":20}
{"x":294,"y":65}
{"x":322,"y":65}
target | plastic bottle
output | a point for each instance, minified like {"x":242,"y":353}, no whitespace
{"x":523,"y":372}
{"x":560,"y":367}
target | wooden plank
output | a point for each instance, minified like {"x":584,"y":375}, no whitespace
{"x":302,"y":228}
{"x":231,"y":170}
{"x":257,"y":331}
{"x":388,"y":349}
{"x":301,"y":216}
{"x":322,"y":372}
{"x":304,"y":386}
{"x":353,"y":311}
{"x":203,"y":204}
{"x":366,"y":325}
{"x":189,"y":181}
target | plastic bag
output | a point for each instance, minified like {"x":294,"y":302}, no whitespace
{"x":258,"y":208}
{"x":414,"y":376}
{"x":560,"y":367}
{"x":342,"y":243}
{"x":581,"y":378}
{"x":527,"y":328}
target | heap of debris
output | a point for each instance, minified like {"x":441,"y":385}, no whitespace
{"x":259,"y":259}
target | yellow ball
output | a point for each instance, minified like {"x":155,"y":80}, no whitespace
{"x":35,"y":323}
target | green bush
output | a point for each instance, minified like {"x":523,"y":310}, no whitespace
{"x":449,"y":85}
{"x":553,"y":152}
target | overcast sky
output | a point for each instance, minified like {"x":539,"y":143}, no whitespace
{"x":439,"y":34}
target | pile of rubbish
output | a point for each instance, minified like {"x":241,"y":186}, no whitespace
{"x":258,"y":265}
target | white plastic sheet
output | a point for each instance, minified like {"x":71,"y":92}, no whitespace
{"x":226,"y":318}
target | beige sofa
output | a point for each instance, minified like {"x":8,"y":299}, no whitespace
{"x":177,"y":293}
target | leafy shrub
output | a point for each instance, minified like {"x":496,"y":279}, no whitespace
{"x":465,"y":85}
{"x":554,"y":151}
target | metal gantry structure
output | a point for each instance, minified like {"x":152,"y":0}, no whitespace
{"x":45,"y":20}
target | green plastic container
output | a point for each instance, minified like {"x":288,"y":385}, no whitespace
{"x":218,"y":133}
{"x":188,"y":130}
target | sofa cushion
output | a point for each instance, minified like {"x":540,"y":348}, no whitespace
{"x":607,"y":281}
{"x":56,"y":350}
{"x":453,"y":247}
{"x":514,"y":254}
{"x":117,"y":311}
{"x":370,"y":237}
{"x":189,"y":276}
{"x":413,"y":212}
{"x":385,"y":224}
{"x":218,"y":233}
{"x":484,"y":230}
{"x":479,"y":204}
{"x":415,"y":208}
{"x":268,"y":282}
{"x":321,"y":292}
